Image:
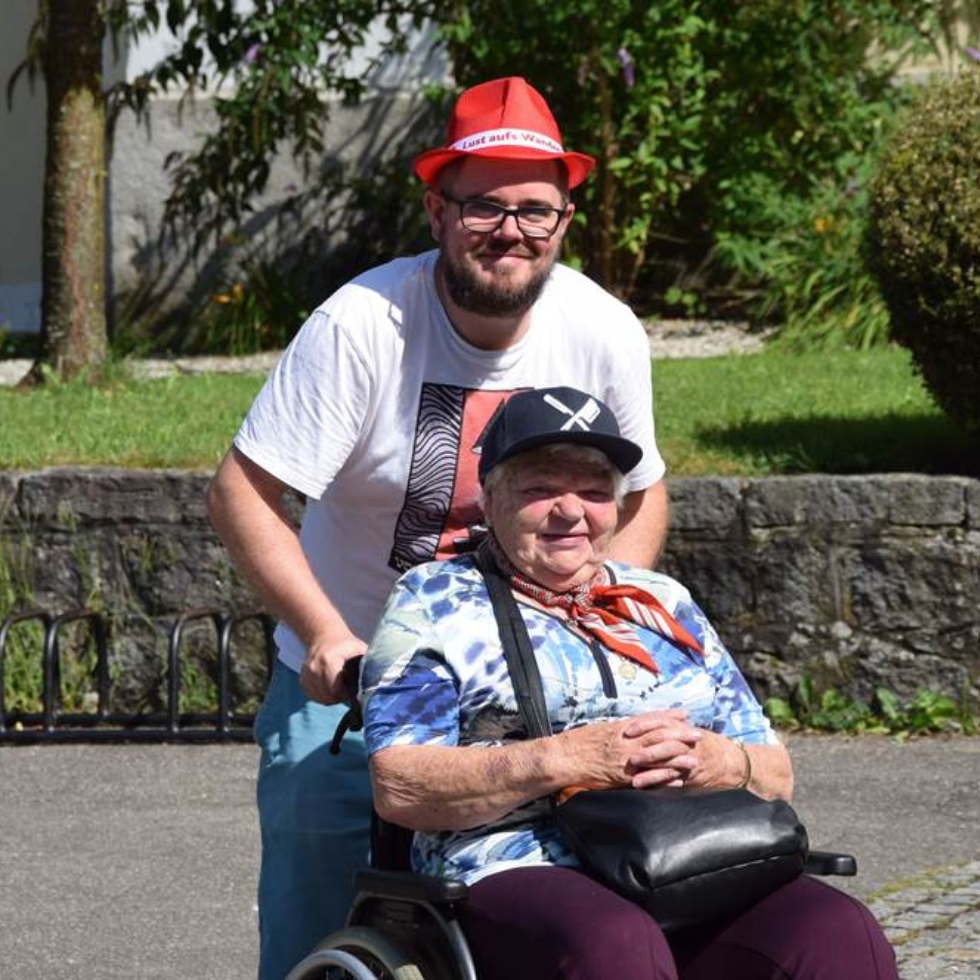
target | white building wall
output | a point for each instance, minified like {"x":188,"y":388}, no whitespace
{"x":21,"y":176}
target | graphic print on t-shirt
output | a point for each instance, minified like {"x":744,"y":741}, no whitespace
{"x":442,"y":498}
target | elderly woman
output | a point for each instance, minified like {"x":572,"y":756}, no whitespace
{"x":639,"y":693}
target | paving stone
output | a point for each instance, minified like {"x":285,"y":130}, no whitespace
{"x":934,"y":924}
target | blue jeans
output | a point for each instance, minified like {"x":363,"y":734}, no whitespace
{"x":314,"y":817}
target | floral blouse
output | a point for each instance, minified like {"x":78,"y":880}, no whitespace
{"x":435,"y":674}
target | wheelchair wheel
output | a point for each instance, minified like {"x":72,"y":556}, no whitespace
{"x":357,"y":953}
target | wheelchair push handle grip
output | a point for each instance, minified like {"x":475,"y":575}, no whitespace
{"x":352,"y":677}
{"x":352,"y":720}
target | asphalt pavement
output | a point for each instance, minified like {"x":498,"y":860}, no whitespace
{"x":139,"y":861}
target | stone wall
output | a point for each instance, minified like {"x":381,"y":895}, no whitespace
{"x":855,"y":581}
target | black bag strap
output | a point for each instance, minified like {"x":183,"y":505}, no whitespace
{"x":514,"y":639}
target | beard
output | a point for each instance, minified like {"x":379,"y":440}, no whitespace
{"x":494,"y":298}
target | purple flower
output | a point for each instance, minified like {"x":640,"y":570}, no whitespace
{"x":252,"y":54}
{"x":627,"y":62}
{"x":972,"y":53}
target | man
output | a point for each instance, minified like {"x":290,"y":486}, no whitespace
{"x":375,"y":413}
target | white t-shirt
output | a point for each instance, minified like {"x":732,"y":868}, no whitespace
{"x":376,"y":409}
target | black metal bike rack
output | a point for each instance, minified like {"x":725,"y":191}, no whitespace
{"x":102,"y":724}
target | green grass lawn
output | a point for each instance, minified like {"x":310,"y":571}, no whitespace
{"x":739,"y":415}
{"x":183,"y":422}
{"x":847,"y":412}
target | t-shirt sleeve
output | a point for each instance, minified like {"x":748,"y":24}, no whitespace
{"x":409,"y":695}
{"x":307,"y":417}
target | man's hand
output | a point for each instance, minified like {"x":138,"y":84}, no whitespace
{"x":322,"y":676}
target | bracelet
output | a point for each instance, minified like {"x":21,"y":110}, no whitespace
{"x":748,"y":766}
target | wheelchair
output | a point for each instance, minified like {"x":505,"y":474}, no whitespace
{"x":404,"y":926}
{"x":401,"y":925}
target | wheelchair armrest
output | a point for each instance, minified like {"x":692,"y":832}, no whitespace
{"x":407,"y":885}
{"x":830,"y":863}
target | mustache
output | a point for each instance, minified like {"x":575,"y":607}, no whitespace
{"x":507,"y":248}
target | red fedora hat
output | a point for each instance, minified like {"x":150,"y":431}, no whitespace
{"x":505,"y":119}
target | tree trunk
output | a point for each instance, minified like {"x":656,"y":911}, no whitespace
{"x":73,"y":321}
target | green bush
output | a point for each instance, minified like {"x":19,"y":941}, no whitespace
{"x":260,"y":310}
{"x":731,"y":141}
{"x":928,"y":712}
{"x":801,"y":265}
{"x":924,"y":240}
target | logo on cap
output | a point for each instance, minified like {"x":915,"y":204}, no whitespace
{"x":583,"y":418}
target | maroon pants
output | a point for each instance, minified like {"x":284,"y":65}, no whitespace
{"x":558,"y":924}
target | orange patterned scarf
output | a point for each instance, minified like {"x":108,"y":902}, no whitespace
{"x":608,"y":612}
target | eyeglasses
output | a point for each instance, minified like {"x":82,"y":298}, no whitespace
{"x":484,"y":217}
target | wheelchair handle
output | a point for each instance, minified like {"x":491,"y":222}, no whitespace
{"x":351,"y":720}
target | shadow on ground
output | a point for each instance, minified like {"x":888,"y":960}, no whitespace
{"x":920,"y":444}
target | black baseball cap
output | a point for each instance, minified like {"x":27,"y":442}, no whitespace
{"x":546,"y":416}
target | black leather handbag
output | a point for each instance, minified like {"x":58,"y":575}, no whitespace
{"x":684,"y":856}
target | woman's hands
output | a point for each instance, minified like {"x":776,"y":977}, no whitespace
{"x":663,"y":749}
{"x":657,"y":748}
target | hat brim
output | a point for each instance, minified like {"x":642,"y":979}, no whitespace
{"x":622,"y":453}
{"x":427,"y":165}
